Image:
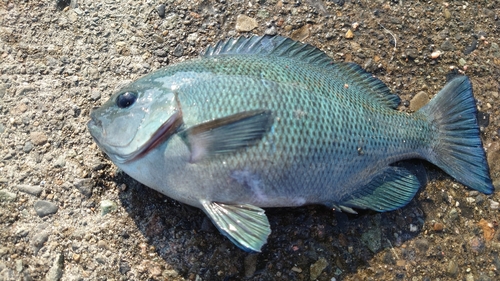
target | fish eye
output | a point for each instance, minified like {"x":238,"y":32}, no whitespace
{"x":126,"y":99}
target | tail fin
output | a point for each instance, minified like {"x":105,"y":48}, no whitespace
{"x":458,"y":150}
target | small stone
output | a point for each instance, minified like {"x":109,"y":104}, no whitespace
{"x":271,"y":31}
{"x":447,"y":46}
{"x":85,"y":186}
{"x":494,"y":205}
{"x":418,"y":101}
{"x":44,"y":208}
{"x":411,"y":53}
{"x":170,"y":273}
{"x":349,"y":34}
{"x":161,"y":53}
{"x":30,"y":189}
{"x":435,"y":54}
{"x":28,"y":146}
{"x":178,"y":51}
{"x":123,"y":267}
{"x":317,"y":267}
{"x":38,"y":138}
{"x":488,"y":230}
{"x":38,"y":240}
{"x":161,"y":10}
{"x":476,"y":245}
{"x":107,"y":206}
{"x":447,"y":14}
{"x":453,"y":214}
{"x":95,"y":95}
{"x":192,"y":37}
{"x":60,"y":162}
{"x":372,"y":239}
{"x":6,"y":195}
{"x":250,"y":265}
{"x":296,"y":269}
{"x":245,"y":23}
{"x":4,"y":251}
{"x":452,"y":269}
{"x":300,"y":34}
{"x":462,"y":62}
{"x":422,"y":245}
{"x":56,"y":271}
{"x":438,"y":227}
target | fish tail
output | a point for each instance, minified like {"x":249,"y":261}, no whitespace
{"x":457,"y":148}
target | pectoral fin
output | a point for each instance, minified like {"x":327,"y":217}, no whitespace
{"x":227,"y":134}
{"x":245,"y":225}
{"x":391,"y":189}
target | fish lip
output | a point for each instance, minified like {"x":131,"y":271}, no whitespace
{"x":164,"y":132}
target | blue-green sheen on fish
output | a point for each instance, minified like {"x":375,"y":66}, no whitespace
{"x":270,"y":122}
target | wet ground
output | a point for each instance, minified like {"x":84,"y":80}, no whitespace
{"x":67,"y":213}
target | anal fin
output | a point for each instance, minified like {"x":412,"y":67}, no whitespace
{"x":392,"y":188}
{"x":245,"y":225}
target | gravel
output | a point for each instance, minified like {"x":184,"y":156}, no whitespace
{"x":67,"y":213}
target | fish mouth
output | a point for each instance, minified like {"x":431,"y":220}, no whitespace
{"x":164,"y":132}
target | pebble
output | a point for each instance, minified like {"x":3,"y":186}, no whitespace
{"x":245,"y":23}
{"x":317,"y":267}
{"x":178,"y":51}
{"x":422,"y":245}
{"x":6,"y":195}
{"x":60,"y":162}
{"x":44,"y":208}
{"x":38,"y":138}
{"x":462,"y":62}
{"x":250,"y":265}
{"x":435,"y":54}
{"x":349,"y":34}
{"x":438,"y":227}
{"x":453,"y":214}
{"x":34,"y":190}
{"x":85,"y":186}
{"x":95,"y":95}
{"x":419,"y":100}
{"x":447,"y":14}
{"x":476,"y":245}
{"x":447,"y":46}
{"x":56,"y":271}
{"x":494,"y":205}
{"x":170,"y":273}
{"x":452,"y":269}
{"x":28,"y":146}
{"x":38,"y":240}
{"x":372,"y":239}
{"x":300,"y":34}
{"x":161,"y":10}
{"x":471,"y":47}
{"x":107,"y":206}
{"x":271,"y":30}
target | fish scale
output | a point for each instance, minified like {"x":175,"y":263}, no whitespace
{"x":270,"y":122}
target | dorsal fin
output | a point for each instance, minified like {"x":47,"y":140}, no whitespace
{"x":350,"y":73}
{"x":270,"y":45}
{"x":368,"y":83}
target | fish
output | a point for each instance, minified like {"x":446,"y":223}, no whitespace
{"x":265,"y":121}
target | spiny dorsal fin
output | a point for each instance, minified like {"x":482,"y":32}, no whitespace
{"x":270,"y":45}
{"x":350,"y":73}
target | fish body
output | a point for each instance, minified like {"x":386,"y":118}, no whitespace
{"x":270,"y":122}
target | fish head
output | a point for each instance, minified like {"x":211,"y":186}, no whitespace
{"x":136,"y":119}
